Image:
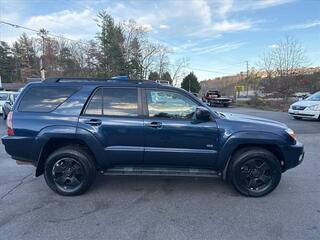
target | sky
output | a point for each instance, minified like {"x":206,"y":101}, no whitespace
{"x":216,"y":37}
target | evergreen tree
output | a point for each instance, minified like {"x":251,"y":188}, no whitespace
{"x":190,"y":83}
{"x":6,"y":62}
{"x":166,"y":76}
{"x":111,"y":40}
{"x":154,"y":76}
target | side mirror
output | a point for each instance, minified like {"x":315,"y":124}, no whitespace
{"x":202,"y":114}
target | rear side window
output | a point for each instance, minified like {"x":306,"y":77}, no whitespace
{"x":114,"y":102}
{"x":45,"y":99}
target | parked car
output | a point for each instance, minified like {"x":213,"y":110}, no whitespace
{"x":214,"y":98}
{"x":7,"y":106}
{"x":306,"y":108}
{"x":71,"y":128}
{"x":4,"y":95}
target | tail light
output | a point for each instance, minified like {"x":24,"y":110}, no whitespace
{"x":10,"y":131}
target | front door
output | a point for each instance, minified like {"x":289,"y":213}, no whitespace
{"x":172,"y":136}
{"x":113,"y":117}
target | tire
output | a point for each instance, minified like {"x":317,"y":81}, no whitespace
{"x":70,"y":171}
{"x":297,"y":118}
{"x":254,"y":172}
{"x":226,"y":105}
{"x":4,"y":116}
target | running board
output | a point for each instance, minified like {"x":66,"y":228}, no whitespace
{"x":156,"y":171}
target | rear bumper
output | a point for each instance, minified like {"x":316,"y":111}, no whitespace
{"x":304,"y":113}
{"x":294,"y":155}
{"x":17,"y":148}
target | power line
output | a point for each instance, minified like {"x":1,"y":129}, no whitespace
{"x":38,"y":31}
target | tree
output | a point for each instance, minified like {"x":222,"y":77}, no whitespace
{"x":111,"y":44}
{"x":167,"y":77}
{"x":190,"y":83}
{"x":154,"y":76}
{"x":6,"y":62}
{"x":283,"y":62}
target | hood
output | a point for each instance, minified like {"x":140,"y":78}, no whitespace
{"x":253,"y":120}
{"x":306,"y":103}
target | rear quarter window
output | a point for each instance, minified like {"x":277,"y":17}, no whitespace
{"x":44,"y":99}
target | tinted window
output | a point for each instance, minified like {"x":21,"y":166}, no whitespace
{"x":314,"y":97}
{"x":170,"y":105}
{"x":114,"y":102}
{"x":3,"y":96}
{"x":44,"y":99}
{"x":95,"y":104}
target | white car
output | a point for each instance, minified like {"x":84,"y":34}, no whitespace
{"x":307,"y":108}
{"x":4,"y":96}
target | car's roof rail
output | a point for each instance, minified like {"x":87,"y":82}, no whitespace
{"x":82,"y":79}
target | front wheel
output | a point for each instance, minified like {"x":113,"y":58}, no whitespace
{"x":4,"y":116}
{"x":69,"y":171}
{"x":297,"y":118}
{"x":254,"y":172}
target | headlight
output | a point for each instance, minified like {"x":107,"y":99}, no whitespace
{"x":314,"y":107}
{"x":291,"y":133}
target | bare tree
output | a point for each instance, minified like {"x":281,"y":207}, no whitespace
{"x":179,"y":70}
{"x":284,"y":61}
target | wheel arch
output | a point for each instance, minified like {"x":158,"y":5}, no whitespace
{"x":270,"y":142}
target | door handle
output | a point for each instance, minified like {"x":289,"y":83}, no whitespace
{"x":154,"y":124}
{"x":94,"y":122}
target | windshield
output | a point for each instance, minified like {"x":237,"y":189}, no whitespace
{"x":314,"y":97}
{"x":15,"y":96}
{"x":3,"y":96}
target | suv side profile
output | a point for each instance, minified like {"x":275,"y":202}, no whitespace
{"x":71,"y":128}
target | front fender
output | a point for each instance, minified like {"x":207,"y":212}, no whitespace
{"x":231,"y":143}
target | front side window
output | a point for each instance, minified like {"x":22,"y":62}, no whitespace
{"x":166,"y":104}
{"x":114,"y":102}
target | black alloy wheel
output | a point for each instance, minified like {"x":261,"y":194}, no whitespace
{"x":254,"y":172}
{"x":68,"y":174}
{"x":70,"y":171}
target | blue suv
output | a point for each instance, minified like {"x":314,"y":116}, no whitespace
{"x":70,"y":128}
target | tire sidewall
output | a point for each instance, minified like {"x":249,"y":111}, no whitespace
{"x":239,"y":161}
{"x":80,"y":158}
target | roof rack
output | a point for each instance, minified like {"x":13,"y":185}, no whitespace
{"x":81,"y":79}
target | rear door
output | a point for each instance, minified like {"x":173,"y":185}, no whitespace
{"x":172,"y":135}
{"x":114,"y":117}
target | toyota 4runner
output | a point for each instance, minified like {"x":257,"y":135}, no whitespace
{"x":71,"y":128}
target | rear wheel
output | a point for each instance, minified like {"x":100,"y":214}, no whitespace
{"x":254,"y":172}
{"x":4,"y":116}
{"x":69,"y":171}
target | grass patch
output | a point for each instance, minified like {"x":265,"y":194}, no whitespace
{"x":269,"y":105}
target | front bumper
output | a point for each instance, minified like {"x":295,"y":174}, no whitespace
{"x":304,"y":113}
{"x":294,"y":155}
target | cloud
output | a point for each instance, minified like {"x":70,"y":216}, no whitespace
{"x":312,"y":24}
{"x":203,"y":10}
{"x":146,"y":27}
{"x":260,"y":4}
{"x":164,"y":26}
{"x":198,"y":48}
{"x":274,"y":46}
{"x":79,"y":24}
{"x":231,"y":26}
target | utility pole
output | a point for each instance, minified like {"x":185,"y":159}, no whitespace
{"x":42,"y":34}
{"x":247,"y":80}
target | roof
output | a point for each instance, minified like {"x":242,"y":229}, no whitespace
{"x":72,"y":81}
